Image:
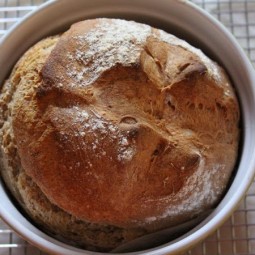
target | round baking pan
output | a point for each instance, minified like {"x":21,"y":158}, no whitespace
{"x":186,"y":21}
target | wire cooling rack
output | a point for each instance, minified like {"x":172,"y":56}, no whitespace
{"x":237,"y":235}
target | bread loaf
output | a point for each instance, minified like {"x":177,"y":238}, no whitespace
{"x":115,"y":129}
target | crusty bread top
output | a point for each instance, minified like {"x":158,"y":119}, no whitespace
{"x":128,"y":125}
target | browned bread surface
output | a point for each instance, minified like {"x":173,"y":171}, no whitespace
{"x":119,"y":125}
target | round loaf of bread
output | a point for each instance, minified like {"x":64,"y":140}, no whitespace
{"x":115,"y":129}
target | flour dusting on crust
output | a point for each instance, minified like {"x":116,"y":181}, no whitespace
{"x":95,"y":124}
{"x":108,"y":44}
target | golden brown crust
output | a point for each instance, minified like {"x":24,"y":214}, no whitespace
{"x":150,"y":138}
